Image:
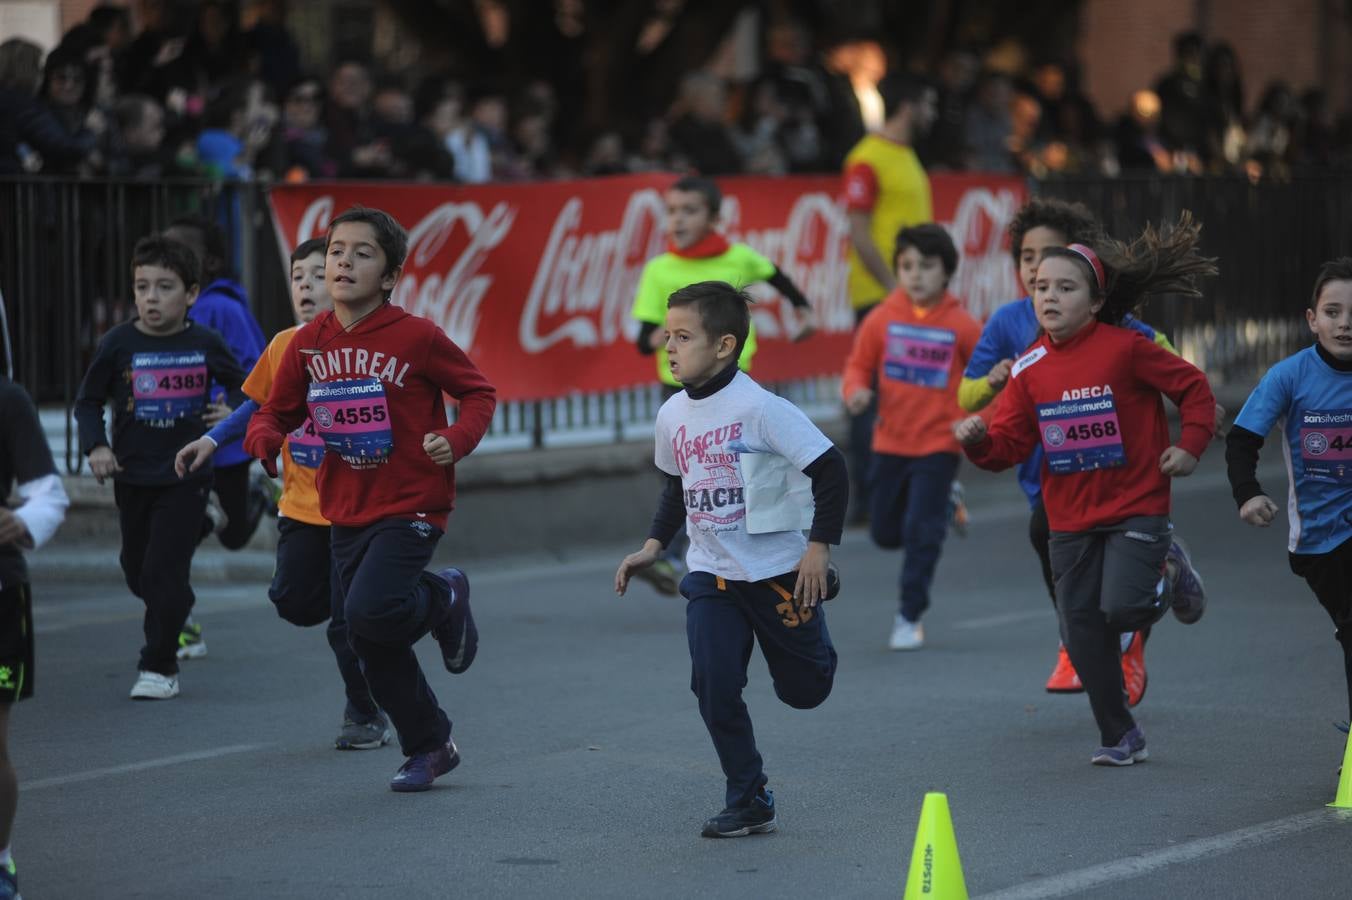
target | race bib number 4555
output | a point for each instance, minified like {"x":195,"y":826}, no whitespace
{"x":353,"y":419}
{"x":1080,"y":435}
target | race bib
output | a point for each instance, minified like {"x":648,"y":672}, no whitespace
{"x":168,"y":385}
{"x":353,"y":419}
{"x":918,"y":355}
{"x":1326,"y":444}
{"x":1081,"y":435}
{"x":305,"y":446}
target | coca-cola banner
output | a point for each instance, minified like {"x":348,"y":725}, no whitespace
{"x":535,"y":281}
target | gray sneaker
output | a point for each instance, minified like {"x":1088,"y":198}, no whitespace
{"x":369,"y":735}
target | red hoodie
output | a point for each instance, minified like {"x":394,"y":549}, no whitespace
{"x":373,"y":393}
{"x":1094,"y":403}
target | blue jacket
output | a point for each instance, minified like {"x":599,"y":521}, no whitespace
{"x":223,"y":305}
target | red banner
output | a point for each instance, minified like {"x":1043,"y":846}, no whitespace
{"x":535,"y":281}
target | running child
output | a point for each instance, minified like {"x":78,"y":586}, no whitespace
{"x":1310,"y":396}
{"x":157,"y":370}
{"x":26,"y":470}
{"x":728,"y":447}
{"x":697,"y":251}
{"x":371,"y":377}
{"x":1041,"y":224}
{"x":301,"y":585}
{"x":914,"y":347}
{"x":1091,"y":393}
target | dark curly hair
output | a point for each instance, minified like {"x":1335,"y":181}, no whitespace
{"x":1074,"y":220}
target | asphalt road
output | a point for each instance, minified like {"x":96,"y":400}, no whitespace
{"x":587,"y":772}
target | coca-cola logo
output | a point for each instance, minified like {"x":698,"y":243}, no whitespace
{"x":985,"y":278}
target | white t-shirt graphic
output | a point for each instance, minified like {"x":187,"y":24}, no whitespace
{"x":704,"y":442}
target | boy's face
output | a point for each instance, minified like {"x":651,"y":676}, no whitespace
{"x":1331,"y":319}
{"x":162,"y":300}
{"x":309,"y":292}
{"x":1062,"y":298}
{"x":688,"y":218}
{"x":354,"y":267}
{"x":1035,"y":244}
{"x":922,"y":277}
{"x":694,"y":355}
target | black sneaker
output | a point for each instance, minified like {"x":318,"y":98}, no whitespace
{"x":421,"y":769}
{"x":457,"y":635}
{"x":739,"y":821}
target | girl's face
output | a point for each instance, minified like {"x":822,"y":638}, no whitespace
{"x":1331,"y":319}
{"x":1063,"y":298}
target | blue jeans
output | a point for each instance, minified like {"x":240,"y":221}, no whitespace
{"x":910,"y":509}
{"x":721,"y":619}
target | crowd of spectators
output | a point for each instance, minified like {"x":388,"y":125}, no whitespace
{"x":228,"y":99}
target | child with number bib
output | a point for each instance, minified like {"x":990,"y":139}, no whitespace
{"x":157,"y":370}
{"x":1091,"y":393}
{"x":914,"y":346}
{"x":302,"y":588}
{"x":1310,"y":396}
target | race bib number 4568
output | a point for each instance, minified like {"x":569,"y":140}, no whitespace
{"x":1080,"y":435}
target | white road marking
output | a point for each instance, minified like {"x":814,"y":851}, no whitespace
{"x":1080,"y":880}
{"x":92,"y":774}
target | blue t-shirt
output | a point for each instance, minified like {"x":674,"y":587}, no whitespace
{"x":1008,"y":332}
{"x":1313,"y":403}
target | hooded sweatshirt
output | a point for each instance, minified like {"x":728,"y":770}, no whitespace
{"x":372,"y":393}
{"x":224,"y":306}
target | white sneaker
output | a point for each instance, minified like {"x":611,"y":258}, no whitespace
{"x":906,"y":635}
{"x":154,"y":686}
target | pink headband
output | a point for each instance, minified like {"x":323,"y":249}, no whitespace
{"x":1090,"y":257}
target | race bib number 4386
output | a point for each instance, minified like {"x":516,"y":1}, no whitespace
{"x":1080,"y":435}
{"x":919,"y":355}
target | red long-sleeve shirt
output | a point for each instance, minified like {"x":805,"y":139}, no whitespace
{"x":1094,"y":402}
{"x":373,"y":392}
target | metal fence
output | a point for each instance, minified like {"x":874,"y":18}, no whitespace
{"x":64,"y":247}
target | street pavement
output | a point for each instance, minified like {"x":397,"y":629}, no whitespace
{"x":587,"y":773}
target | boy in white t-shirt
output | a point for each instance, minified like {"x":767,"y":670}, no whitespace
{"x":744,"y":468}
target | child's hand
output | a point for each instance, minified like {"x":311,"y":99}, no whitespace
{"x":215,"y":413}
{"x":999,"y":373}
{"x":1258,"y":511}
{"x":13,"y":530}
{"x":437,"y":447}
{"x":103,"y":463}
{"x":635,"y":561}
{"x":969,"y":431}
{"x":810,"y":588}
{"x":1177,"y":462}
{"x":858,"y":401}
{"x":1220,"y":423}
{"x":193,"y":456}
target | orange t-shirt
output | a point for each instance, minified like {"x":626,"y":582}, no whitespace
{"x":917,"y":358}
{"x":303,"y":449}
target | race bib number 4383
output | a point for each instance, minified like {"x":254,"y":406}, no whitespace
{"x":1080,"y":435}
{"x":353,"y":419}
{"x":168,"y":385}
{"x":1326,"y":444}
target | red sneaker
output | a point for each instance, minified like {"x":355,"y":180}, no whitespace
{"x":1133,"y":669}
{"x":1064,"y":680}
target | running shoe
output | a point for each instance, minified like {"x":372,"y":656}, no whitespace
{"x":9,"y":882}
{"x":739,"y":821}
{"x":663,"y":576}
{"x":1131,"y":749}
{"x":457,"y":634}
{"x":957,"y":509}
{"x":369,"y":735}
{"x":421,"y":769}
{"x":1064,"y":678}
{"x":190,"y":643}
{"x":906,"y":635}
{"x":1189,"y":597}
{"x":154,"y":686}
{"x":1134,"y":677}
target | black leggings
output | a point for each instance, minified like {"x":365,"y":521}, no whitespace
{"x":1040,"y":534}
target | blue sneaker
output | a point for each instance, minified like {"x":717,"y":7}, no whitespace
{"x":421,"y":769}
{"x":457,"y":635}
{"x":739,"y":821}
{"x":1189,"y":598}
{"x":1131,"y":749}
{"x":9,"y":882}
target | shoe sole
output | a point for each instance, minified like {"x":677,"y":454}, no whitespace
{"x":144,"y":696}
{"x":192,"y":651}
{"x":764,"y":828}
{"x":401,"y":788}
{"x":385,"y":738}
{"x":464,"y":654}
{"x":1137,"y":757}
{"x":1145,"y":686}
{"x":1064,"y":690}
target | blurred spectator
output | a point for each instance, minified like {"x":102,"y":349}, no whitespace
{"x":153,"y":63}
{"x":417,"y":154}
{"x":700,"y":131}
{"x":1024,"y":115}
{"x":215,"y":48}
{"x":654,"y":152}
{"x":1223,"y":98}
{"x":1313,"y":146}
{"x":30,"y":133}
{"x":758,"y":140}
{"x":606,"y":155}
{"x":352,"y":141}
{"x":136,"y":137}
{"x":1182,"y":112}
{"x":1140,"y":147}
{"x":68,"y":92}
{"x":988,"y":129}
{"x":488,"y":114}
{"x":532,"y":142}
{"x":443,"y":116}
{"x":1273,"y":126}
{"x":237,"y":126}
{"x":268,"y":42}
{"x":946,"y":145}
{"x":303,"y":137}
